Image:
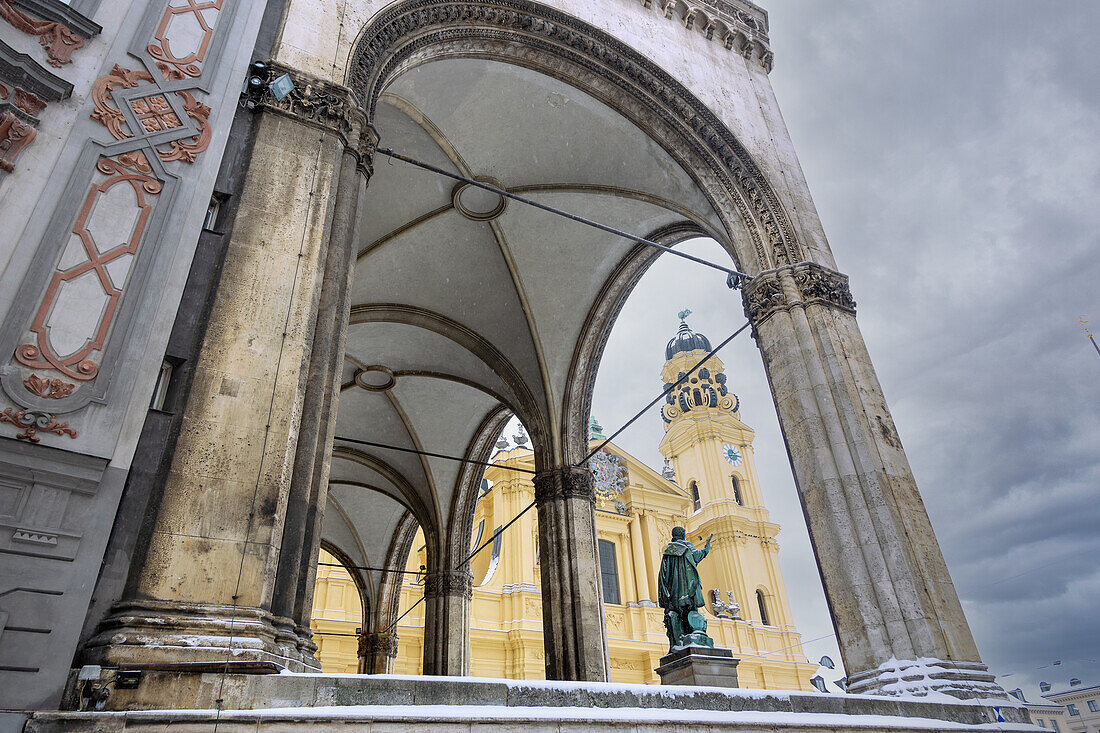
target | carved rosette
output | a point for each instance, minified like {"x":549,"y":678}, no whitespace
{"x":765,"y":294}
{"x":449,"y":583}
{"x":570,"y":482}
{"x":377,"y":644}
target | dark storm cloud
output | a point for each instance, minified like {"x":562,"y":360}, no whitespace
{"x":953,"y":151}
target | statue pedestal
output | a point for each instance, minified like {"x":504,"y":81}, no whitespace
{"x":697,"y":665}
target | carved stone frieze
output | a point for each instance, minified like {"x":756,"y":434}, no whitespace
{"x":564,"y":483}
{"x":811,"y":284}
{"x":449,"y":583}
{"x":542,"y":38}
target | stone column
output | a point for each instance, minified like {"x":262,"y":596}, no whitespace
{"x":293,"y":600}
{"x":447,"y":596}
{"x":377,"y":651}
{"x":202,"y":582}
{"x":889,"y":591}
{"x":572,"y":598}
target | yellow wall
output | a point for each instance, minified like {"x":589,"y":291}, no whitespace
{"x":506,"y":612}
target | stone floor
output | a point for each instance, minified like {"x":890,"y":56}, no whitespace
{"x":284,"y":702}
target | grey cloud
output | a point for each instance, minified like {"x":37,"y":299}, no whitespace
{"x":952,"y":151}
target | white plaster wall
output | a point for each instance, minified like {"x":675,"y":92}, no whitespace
{"x":319,"y":39}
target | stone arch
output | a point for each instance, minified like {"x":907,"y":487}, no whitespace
{"x":597,"y":329}
{"x":413,"y":32}
{"x":356,"y":574}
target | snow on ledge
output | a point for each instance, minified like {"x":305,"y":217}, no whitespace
{"x":496,"y":713}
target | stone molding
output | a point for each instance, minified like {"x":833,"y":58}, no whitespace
{"x":458,"y":583}
{"x":377,"y":644}
{"x":541,"y":38}
{"x":809,"y":283}
{"x":569,"y":482}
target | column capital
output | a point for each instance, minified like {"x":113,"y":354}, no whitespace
{"x":322,"y":104}
{"x":802,"y":284}
{"x":458,"y":583}
{"x":377,"y":644}
{"x":565,"y":482}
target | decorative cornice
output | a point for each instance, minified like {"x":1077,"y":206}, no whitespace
{"x":19,"y":69}
{"x":541,"y":38}
{"x":60,"y":12}
{"x":569,"y":482}
{"x":458,"y":583}
{"x":739,"y":26}
{"x":809,"y":283}
{"x":61,"y":33}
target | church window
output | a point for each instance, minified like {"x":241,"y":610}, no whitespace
{"x":737,"y":491}
{"x":1073,"y":709}
{"x":1093,"y":707}
{"x":763,"y":608}
{"x":695,"y":496}
{"x":698,"y":397}
{"x":609,"y":572}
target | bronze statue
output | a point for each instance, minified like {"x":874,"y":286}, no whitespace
{"x":680,"y":592}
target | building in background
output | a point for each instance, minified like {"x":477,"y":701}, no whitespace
{"x":1080,"y":705}
{"x":709,"y":485}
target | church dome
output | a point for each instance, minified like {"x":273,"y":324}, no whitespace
{"x":686,"y":340}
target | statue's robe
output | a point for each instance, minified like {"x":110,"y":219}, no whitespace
{"x":678,"y":585}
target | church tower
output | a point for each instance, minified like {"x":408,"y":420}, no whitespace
{"x":711,"y":453}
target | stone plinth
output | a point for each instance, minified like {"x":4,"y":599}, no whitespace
{"x":699,"y":666}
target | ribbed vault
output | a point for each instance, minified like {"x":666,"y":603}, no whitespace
{"x":465,"y":311}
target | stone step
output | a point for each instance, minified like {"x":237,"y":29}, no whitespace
{"x":363,"y":701}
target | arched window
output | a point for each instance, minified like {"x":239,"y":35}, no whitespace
{"x":763,"y":608}
{"x":737,"y":491}
{"x":694,"y":488}
{"x":698,"y":397}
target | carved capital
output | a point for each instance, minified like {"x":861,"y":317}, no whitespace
{"x":820,"y":285}
{"x":459,"y":583}
{"x":319,"y":103}
{"x":569,"y":482}
{"x":377,"y":644}
{"x":806,"y":283}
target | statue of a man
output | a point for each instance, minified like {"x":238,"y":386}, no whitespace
{"x":680,"y":592}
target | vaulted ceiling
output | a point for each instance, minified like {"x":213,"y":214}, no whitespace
{"x":464,"y":304}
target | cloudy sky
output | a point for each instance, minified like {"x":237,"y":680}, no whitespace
{"x":953,"y":151}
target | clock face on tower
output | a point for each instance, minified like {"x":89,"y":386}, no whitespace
{"x":731,"y":454}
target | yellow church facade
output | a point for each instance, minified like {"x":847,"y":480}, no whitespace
{"x":709,"y":486}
